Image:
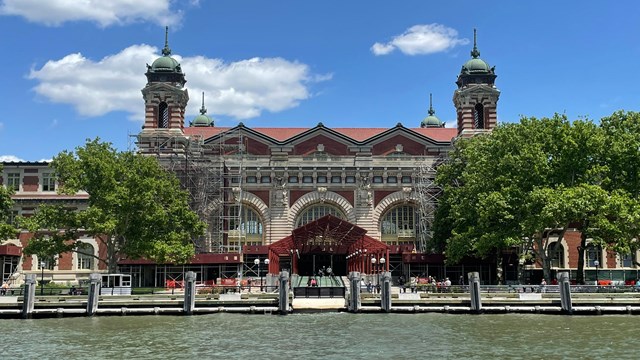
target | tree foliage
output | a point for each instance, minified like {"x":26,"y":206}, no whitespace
{"x":135,"y":208}
{"x":6,"y":204}
{"x":505,"y":189}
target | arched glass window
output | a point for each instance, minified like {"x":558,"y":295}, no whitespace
{"x":315,"y":212}
{"x":556,"y":254}
{"x":399,"y":225}
{"x":85,"y":256}
{"x":593,"y":253}
{"x":478,"y":116}
{"x":163,"y":115}
{"x":247,"y":227}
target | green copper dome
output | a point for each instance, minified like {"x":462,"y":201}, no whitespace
{"x":431,"y":120}
{"x":202,"y":119}
{"x":476,"y":66}
{"x":165,"y":63}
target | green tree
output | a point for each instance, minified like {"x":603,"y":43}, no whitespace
{"x":621,"y":158}
{"x":500,"y":188}
{"x":135,"y":209}
{"x":6,"y":205}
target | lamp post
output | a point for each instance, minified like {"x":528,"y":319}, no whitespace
{"x":596,"y":263}
{"x":257,"y":262}
{"x":42,"y":278}
{"x":373,"y":265}
{"x":266,"y":263}
{"x":382,"y":261}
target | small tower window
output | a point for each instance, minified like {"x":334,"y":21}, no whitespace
{"x":163,"y":115}
{"x":478,"y":116}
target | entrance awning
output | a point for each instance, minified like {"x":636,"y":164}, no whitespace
{"x":328,"y":235}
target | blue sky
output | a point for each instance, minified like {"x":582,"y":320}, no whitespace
{"x":73,"y":70}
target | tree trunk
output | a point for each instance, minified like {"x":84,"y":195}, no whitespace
{"x":583,"y":246}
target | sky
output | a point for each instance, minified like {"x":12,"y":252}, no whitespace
{"x":73,"y":70}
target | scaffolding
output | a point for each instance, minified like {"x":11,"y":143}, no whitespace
{"x":428,"y":193}
{"x":210,"y":171}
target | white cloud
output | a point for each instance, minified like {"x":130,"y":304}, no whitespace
{"x":420,"y":40}
{"x":105,"y":13}
{"x":451,"y":124}
{"x":9,"y":158}
{"x":241,"y":89}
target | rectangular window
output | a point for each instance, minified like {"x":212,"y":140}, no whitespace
{"x":13,"y":181}
{"x":336,"y":179}
{"x":48,"y":262}
{"x":293,"y":179}
{"x":350,"y":179}
{"x":252,"y":179}
{"x":307,"y":179}
{"x":13,"y":217}
{"x":48,"y":182}
{"x":625,"y":260}
{"x":377,"y":179}
{"x":321,"y":179}
{"x":235,"y":180}
{"x":265,"y":179}
{"x":392,"y":179}
{"x":405,"y":179}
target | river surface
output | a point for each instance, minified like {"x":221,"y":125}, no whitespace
{"x":323,"y":336}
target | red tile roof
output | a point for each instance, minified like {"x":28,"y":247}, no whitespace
{"x":358,"y":134}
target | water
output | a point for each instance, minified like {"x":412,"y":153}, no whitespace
{"x":322,"y":336}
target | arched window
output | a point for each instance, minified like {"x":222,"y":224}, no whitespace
{"x":163,"y":115}
{"x":399,"y":225}
{"x":593,"y":253}
{"x":245,"y":226}
{"x":315,"y":212}
{"x":556,"y":254}
{"x":85,"y":256}
{"x":478,"y":116}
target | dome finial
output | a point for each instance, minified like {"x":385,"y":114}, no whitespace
{"x":203,"y":110}
{"x":431,"y":111}
{"x":475,"y":53}
{"x":166,"y":51}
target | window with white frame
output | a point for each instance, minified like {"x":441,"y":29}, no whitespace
{"x":626,"y":260}
{"x":46,"y":262}
{"x":85,"y":256}
{"x":593,"y":255}
{"x":48,"y":182}
{"x":556,"y":254}
{"x":13,"y":181}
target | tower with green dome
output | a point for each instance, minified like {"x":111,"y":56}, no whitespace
{"x":165,"y":101}
{"x":476,"y":98}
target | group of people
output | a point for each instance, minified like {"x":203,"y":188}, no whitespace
{"x":431,"y":281}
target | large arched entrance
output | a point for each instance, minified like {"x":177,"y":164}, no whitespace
{"x":328,"y":242}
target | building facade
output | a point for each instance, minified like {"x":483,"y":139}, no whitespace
{"x":304,"y":198}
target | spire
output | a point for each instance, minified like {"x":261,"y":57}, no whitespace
{"x":203,"y":110}
{"x":475,"y":53}
{"x":166,"y":51}
{"x":431,"y":111}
